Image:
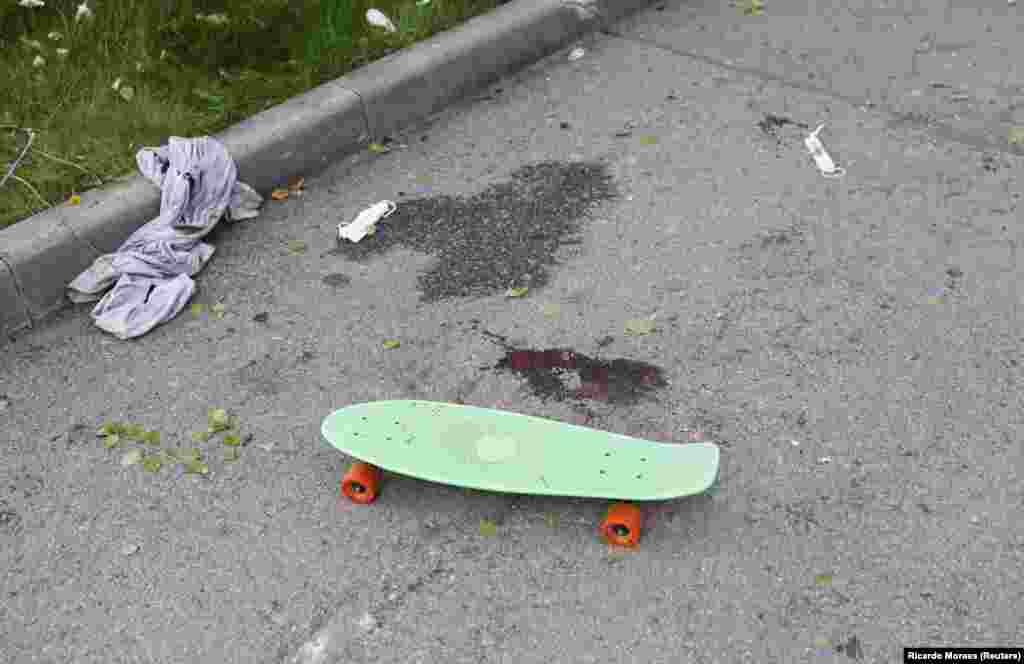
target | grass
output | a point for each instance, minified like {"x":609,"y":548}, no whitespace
{"x":138,"y":71}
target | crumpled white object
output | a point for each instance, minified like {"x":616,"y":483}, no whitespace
{"x":151,"y":272}
{"x":365,"y":223}
{"x":378,"y":18}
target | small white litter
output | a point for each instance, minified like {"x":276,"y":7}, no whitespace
{"x":576,"y":54}
{"x":376,"y":17}
{"x":821,"y":157}
{"x":364,"y":223}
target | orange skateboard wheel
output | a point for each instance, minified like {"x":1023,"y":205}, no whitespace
{"x":622,"y":525}
{"x":361,"y":482}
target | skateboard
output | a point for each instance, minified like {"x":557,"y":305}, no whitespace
{"x":493,"y":450}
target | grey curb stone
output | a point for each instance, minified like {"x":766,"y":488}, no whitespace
{"x":41,"y":255}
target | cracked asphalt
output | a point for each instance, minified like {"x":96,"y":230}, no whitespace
{"x":853,"y":345}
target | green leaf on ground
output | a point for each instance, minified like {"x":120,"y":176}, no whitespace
{"x":551,"y":519}
{"x":822,"y":642}
{"x":392,"y":343}
{"x":648,"y":140}
{"x":201,"y":436}
{"x":112,"y":441}
{"x":131,"y":458}
{"x":197,"y":309}
{"x":152,"y":462}
{"x":194,"y":466}
{"x":232,"y":440}
{"x":1016,"y":136}
{"x":517,"y":292}
{"x":823,"y":579}
{"x":151,"y":437}
{"x":378,"y":148}
{"x":218,"y":310}
{"x":231,"y":455}
{"x":218,"y":420}
{"x":297,"y":246}
{"x":134,"y":431}
{"x":109,"y":428}
{"x":488,"y":528}
{"x":639,"y":326}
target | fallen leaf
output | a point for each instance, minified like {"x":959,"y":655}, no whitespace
{"x":194,"y":466}
{"x":231,"y":455}
{"x":218,"y":420}
{"x":109,"y":428}
{"x":152,"y":463}
{"x":279,"y":194}
{"x":75,"y":200}
{"x":297,"y":246}
{"x":113,"y":440}
{"x":823,"y":579}
{"x":1016,"y":136}
{"x":392,"y":344}
{"x":232,"y":440}
{"x":297,"y":185}
{"x":551,"y":310}
{"x":648,"y":140}
{"x":151,"y":437}
{"x":131,"y":458}
{"x":201,"y":436}
{"x":377,"y":147}
{"x":134,"y":432}
{"x":551,"y":519}
{"x":197,"y":309}
{"x":822,"y":642}
{"x":488,"y":528}
{"x":639,"y":326}
{"x":127,"y":92}
{"x":517,"y":292}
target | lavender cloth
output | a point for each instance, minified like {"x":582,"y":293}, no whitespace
{"x":151,"y":272}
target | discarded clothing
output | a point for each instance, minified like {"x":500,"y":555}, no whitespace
{"x":151,"y":272}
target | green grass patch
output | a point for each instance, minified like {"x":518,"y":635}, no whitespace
{"x":96,"y":89}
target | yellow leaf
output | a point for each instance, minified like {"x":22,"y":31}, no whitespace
{"x":639,"y":327}
{"x":279,"y":194}
{"x":823,"y":579}
{"x":131,"y":458}
{"x":517,"y":292}
{"x":197,"y":309}
{"x":822,"y":642}
{"x":551,"y":310}
{"x":377,"y":147}
{"x":75,"y":200}
{"x":152,"y":463}
{"x":1016,"y":136}
{"x":488,"y":528}
{"x":392,"y":344}
{"x":200,"y":436}
{"x":648,"y":140}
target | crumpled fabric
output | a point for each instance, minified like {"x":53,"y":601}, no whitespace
{"x":151,"y":273}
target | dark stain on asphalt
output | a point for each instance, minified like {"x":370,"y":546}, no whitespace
{"x":506,"y":236}
{"x":851,"y":648}
{"x":337,"y":280}
{"x":552,"y":372}
{"x":770,"y":124}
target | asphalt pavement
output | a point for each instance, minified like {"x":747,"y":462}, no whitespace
{"x":851,"y":343}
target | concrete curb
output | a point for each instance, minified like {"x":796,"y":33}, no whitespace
{"x":41,"y":255}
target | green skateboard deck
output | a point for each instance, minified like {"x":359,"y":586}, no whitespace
{"x":493,"y":450}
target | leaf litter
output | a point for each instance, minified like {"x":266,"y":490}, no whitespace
{"x":188,"y":461}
